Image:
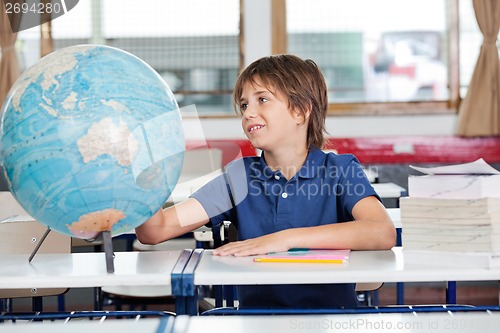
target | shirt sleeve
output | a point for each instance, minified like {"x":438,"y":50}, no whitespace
{"x":220,"y":196}
{"x":215,"y":198}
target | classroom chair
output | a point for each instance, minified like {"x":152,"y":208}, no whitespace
{"x":21,"y":237}
{"x":199,"y":162}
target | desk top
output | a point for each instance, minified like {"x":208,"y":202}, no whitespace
{"x":79,"y":270}
{"x":386,"y":322}
{"x":363,"y":266}
{"x":388,"y":190}
{"x":395,"y":214}
{"x":465,"y":322}
{"x":146,"y":325}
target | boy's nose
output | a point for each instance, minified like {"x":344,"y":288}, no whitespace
{"x":250,"y":112}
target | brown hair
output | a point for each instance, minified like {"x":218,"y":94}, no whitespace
{"x":300,"y":81}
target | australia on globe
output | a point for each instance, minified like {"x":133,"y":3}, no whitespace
{"x":91,"y":140}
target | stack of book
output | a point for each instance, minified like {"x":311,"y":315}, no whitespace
{"x":452,"y":216}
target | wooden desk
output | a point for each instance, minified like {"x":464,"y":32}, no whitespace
{"x":363,"y":266}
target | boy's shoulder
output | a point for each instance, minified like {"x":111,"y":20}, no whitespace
{"x":242,"y":163}
{"x":340,"y":159}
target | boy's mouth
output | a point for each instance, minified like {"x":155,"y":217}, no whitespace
{"x":254,"y":127}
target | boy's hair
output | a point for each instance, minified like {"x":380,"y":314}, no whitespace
{"x":300,"y":81}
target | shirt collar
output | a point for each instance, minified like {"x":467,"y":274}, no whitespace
{"x":315,"y":159}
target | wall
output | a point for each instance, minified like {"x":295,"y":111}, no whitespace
{"x":342,"y":126}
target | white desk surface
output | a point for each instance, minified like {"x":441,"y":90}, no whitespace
{"x":388,"y":190}
{"x":363,"y":266}
{"x":395,"y":214}
{"x":79,"y":270}
{"x":145,"y":325}
{"x":483,"y":322}
{"x":388,"y":322}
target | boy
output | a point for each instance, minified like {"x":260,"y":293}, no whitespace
{"x":294,"y":195}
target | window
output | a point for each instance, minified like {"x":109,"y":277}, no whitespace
{"x":192,"y":44}
{"x":375,"y":52}
{"x":378,"y":56}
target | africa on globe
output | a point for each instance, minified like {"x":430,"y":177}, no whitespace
{"x":91,"y":140}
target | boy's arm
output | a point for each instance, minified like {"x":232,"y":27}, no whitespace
{"x":372,"y":229}
{"x":172,"y":222}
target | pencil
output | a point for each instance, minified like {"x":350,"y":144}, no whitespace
{"x":298,"y":260}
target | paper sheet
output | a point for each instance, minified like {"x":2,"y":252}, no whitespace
{"x":478,"y":167}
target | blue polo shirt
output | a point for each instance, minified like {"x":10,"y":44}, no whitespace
{"x":259,"y":201}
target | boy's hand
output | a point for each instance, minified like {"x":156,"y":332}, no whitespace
{"x":255,"y":246}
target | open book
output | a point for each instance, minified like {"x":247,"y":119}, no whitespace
{"x":306,"y":256}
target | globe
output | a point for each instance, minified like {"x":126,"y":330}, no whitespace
{"x":91,"y":141}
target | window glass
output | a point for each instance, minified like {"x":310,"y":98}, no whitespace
{"x":192,"y":44}
{"x":75,"y":25}
{"x":374,"y":51}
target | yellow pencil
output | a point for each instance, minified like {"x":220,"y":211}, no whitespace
{"x":298,"y":260}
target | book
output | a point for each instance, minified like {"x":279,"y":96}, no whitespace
{"x":468,"y":243}
{"x":470,"y":225}
{"x":433,"y":208}
{"x":306,"y":256}
{"x":460,"y":181}
{"x":452,"y":258}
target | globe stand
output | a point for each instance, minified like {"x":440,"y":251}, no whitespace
{"x":37,"y":247}
{"x":108,"y":251}
{"x":107,"y":243}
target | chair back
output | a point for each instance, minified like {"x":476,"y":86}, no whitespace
{"x":200,"y":162}
{"x":362,"y":287}
{"x":20,"y":235}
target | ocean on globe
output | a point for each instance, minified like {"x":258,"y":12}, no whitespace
{"x":91,"y":140}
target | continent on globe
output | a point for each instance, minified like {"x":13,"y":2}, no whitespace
{"x":91,"y":224}
{"x":91,"y":140}
{"x":97,"y":142}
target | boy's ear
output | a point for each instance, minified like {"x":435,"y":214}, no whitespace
{"x":300,"y":116}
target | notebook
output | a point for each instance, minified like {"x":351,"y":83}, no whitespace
{"x":306,"y":256}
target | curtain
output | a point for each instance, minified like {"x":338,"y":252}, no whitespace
{"x":9,"y":67}
{"x":479,"y":112}
{"x":46,"y":42}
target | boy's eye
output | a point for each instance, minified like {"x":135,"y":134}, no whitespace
{"x":263,"y":99}
{"x":243,"y":106}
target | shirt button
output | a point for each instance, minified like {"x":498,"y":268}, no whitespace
{"x":276,"y":177}
{"x":284,"y":195}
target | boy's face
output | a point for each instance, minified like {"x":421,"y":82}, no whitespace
{"x":267,"y":120}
